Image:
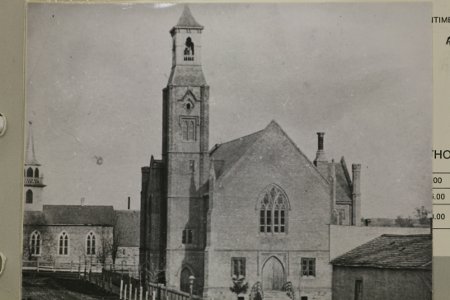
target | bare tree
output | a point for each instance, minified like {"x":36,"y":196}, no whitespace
{"x":153,"y":273}
{"x":422,"y":214}
{"x":105,"y":249}
{"x":117,"y":236}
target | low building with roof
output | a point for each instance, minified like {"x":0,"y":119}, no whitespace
{"x":400,"y":263}
{"x":127,"y":236}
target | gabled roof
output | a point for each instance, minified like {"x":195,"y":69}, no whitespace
{"x":391,"y":252}
{"x":187,"y":20}
{"x":228,"y":153}
{"x":225,"y":155}
{"x":94,"y":215}
{"x":128,"y":224}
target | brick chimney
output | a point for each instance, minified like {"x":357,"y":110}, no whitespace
{"x":321,"y":161}
{"x":356,"y":195}
{"x":129,"y":199}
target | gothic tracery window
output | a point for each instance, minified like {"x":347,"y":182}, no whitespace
{"x":90,"y":243}
{"x":63,"y":245}
{"x":273,"y":211}
{"x":35,"y":243}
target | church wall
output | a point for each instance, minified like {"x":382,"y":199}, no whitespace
{"x":77,"y":242}
{"x":179,"y":259}
{"x":235,"y":219}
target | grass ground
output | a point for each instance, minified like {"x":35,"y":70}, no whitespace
{"x":45,"y":287}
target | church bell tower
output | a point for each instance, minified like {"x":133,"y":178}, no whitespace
{"x":33,"y":176}
{"x":185,"y":154}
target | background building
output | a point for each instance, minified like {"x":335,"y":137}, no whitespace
{"x":386,"y":268}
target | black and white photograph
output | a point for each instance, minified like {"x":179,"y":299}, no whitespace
{"x":228,"y":151}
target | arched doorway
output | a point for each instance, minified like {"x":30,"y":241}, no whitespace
{"x":273,"y":274}
{"x":184,"y":280}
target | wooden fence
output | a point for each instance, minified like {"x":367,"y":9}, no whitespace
{"x":130,"y":288}
{"x":122,"y":280}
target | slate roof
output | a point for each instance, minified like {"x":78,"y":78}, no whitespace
{"x":187,"y":20}
{"x":391,"y":252}
{"x":343,"y":183}
{"x":128,"y":224}
{"x":227,"y":154}
{"x":94,"y":215}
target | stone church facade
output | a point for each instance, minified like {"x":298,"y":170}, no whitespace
{"x":255,"y":206}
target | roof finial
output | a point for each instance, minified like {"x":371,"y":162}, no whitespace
{"x":30,"y":158}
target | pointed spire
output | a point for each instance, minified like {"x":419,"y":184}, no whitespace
{"x":30,"y":158}
{"x":187,"y":20}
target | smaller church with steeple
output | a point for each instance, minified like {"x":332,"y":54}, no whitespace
{"x":255,"y":208}
{"x":33,"y":176}
{"x":73,"y":234}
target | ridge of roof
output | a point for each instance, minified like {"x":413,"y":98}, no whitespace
{"x":273,"y":122}
{"x":346,"y":173}
{"x":251,"y":139}
{"x":216,"y":146}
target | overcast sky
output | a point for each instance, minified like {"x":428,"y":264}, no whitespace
{"x":360,"y":72}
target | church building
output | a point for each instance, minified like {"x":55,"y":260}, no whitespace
{"x":65,"y":235}
{"x":255,"y":207}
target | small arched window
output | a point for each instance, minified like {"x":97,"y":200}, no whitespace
{"x":273,"y":207}
{"x":29,"y":172}
{"x":63,"y":245}
{"x":35,"y":243}
{"x":29,"y":197}
{"x":36,"y":173}
{"x":90,"y":244}
{"x":189,"y":50}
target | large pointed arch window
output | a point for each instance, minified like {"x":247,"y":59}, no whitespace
{"x":90,"y":244}
{"x":273,"y":208}
{"x":35,"y":243}
{"x":63,"y":244}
